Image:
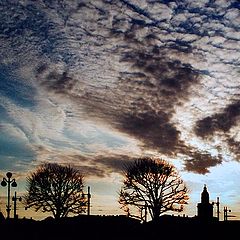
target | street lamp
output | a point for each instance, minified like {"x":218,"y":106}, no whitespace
{"x":226,"y":211}
{"x":15,"y":198}
{"x":8,"y":182}
{"x":88,"y":200}
{"x":218,"y":209}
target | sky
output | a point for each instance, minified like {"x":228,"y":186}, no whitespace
{"x":97,"y":84}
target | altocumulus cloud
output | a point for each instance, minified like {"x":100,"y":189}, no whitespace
{"x":158,"y":75}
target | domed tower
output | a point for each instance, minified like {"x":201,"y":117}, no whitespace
{"x":205,"y":209}
{"x":205,"y":195}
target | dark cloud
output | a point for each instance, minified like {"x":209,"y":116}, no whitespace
{"x":201,"y":162}
{"x":219,"y":122}
{"x":234,"y":147}
{"x":152,"y":128}
{"x":41,"y":69}
{"x":197,"y":161}
{"x":102,"y":165}
{"x":89,"y":171}
{"x":115,"y":162}
{"x":168,"y":75}
{"x":81,"y":162}
{"x":58,"y":81}
{"x":99,"y":165}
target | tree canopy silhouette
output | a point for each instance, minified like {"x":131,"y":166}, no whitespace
{"x":57,"y":189}
{"x":153,"y":185}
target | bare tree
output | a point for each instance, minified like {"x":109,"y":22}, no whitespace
{"x":57,"y":189}
{"x":154,"y":185}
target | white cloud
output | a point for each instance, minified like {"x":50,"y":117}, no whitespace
{"x":13,"y":131}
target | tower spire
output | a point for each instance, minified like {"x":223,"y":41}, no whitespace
{"x":205,"y":195}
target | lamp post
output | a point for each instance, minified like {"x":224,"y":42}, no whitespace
{"x":225,"y":211}
{"x":88,"y":200}
{"x":218,"y":209}
{"x":8,"y":182}
{"x":15,"y":198}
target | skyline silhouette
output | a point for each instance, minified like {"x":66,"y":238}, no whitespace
{"x":206,"y":210}
{"x":119,"y":227}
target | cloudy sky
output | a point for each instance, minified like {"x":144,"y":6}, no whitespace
{"x":96,"y":84}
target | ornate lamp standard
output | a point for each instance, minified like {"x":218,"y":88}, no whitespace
{"x":8,"y":182}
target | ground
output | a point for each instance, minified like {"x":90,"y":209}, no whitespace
{"x":117,"y":227}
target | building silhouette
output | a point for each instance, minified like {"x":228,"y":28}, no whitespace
{"x":204,"y":208}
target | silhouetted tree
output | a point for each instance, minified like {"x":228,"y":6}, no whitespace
{"x":154,"y":185}
{"x":57,"y":189}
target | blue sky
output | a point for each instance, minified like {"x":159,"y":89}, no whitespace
{"x":96,"y":84}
